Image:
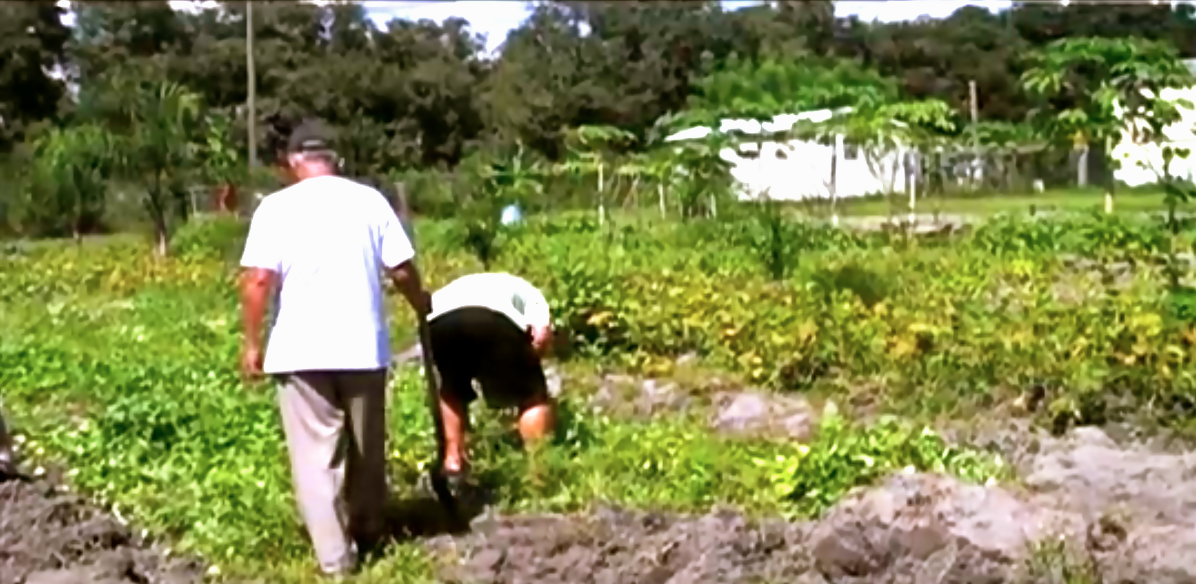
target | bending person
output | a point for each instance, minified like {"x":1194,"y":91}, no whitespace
{"x":494,"y":328}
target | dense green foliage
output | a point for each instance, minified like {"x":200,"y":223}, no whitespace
{"x":414,"y":100}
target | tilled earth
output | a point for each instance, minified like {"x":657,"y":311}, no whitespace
{"x":614,"y":546}
{"x":1111,"y":513}
{"x":51,"y":537}
{"x":1086,"y":504}
{"x":1088,"y":509}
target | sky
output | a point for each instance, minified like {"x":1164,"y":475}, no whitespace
{"x":494,"y":18}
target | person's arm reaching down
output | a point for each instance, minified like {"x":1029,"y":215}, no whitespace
{"x":398,"y":255}
{"x":538,"y":315}
{"x":407,"y":280}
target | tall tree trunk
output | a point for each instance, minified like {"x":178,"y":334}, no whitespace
{"x":910,"y":190}
{"x":1110,"y":178}
{"x":660,"y":190}
{"x":601,"y":199}
{"x":834,"y":184}
{"x":157,"y":209}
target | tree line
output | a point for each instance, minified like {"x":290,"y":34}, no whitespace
{"x":169,"y":87}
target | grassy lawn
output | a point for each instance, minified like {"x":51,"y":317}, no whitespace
{"x":1061,"y":200}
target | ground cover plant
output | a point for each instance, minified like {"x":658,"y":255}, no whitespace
{"x":122,"y":367}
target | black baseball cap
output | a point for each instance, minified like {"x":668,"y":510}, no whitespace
{"x":312,"y":136}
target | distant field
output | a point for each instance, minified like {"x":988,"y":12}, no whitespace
{"x":1143,"y":201}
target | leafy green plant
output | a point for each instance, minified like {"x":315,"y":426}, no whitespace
{"x":842,"y":457}
{"x":504,"y":182}
{"x":1112,"y":87}
{"x":71,"y":169}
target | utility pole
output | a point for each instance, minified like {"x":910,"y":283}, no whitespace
{"x":975,"y":137}
{"x":251,"y":114}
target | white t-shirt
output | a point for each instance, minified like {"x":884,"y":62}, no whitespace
{"x":328,"y":239}
{"x":510,"y":295}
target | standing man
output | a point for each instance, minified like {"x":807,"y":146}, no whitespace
{"x":494,"y":328}
{"x":319,"y":247}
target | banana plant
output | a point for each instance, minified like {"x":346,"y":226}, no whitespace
{"x":881,"y":129}
{"x":505,"y":181}
{"x":661,"y":166}
{"x":633,"y":168}
{"x":591,"y":151}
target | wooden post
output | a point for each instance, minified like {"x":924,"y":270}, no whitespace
{"x":835,"y":181}
{"x":251,"y":82}
{"x":975,"y":111}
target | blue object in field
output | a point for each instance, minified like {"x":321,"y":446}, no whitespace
{"x":511,"y":214}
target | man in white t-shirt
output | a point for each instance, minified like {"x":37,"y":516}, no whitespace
{"x":321,"y":247}
{"x":493,"y":328}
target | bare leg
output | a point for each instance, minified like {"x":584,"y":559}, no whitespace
{"x":455,"y":414}
{"x":536,"y":421}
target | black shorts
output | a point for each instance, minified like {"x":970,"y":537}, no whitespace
{"x":478,"y":343}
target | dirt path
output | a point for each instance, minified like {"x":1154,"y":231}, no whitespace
{"x":50,"y":537}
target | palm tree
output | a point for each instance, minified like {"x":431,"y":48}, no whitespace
{"x":162,"y":118}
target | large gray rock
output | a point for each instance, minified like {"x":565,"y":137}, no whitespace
{"x":1088,"y":472}
{"x":627,"y":395}
{"x":758,"y":413}
{"x":930,"y":528}
{"x":1158,"y":555}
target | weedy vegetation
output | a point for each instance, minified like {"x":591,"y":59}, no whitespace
{"x":121,"y":366}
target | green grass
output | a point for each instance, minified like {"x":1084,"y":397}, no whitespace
{"x":985,"y":205}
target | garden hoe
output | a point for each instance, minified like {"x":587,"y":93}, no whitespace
{"x":431,"y":376}
{"x":8,"y":459}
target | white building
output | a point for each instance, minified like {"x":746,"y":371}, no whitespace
{"x":802,"y":169}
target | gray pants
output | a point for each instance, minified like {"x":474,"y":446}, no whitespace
{"x":339,"y":475}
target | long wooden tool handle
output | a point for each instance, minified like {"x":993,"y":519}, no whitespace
{"x":431,"y":374}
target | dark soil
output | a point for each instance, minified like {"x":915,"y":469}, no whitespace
{"x":51,"y":537}
{"x":612,"y":546}
{"x":1085,"y":506}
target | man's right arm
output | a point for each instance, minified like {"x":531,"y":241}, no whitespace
{"x":407,"y":280}
{"x":398,"y":255}
{"x":538,"y":316}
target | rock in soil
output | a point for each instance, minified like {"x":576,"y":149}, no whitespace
{"x":763,"y":414}
{"x":613,"y":546}
{"x":49,"y":537}
{"x":932,"y":528}
{"x":640,"y":398}
{"x":1144,"y":502}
